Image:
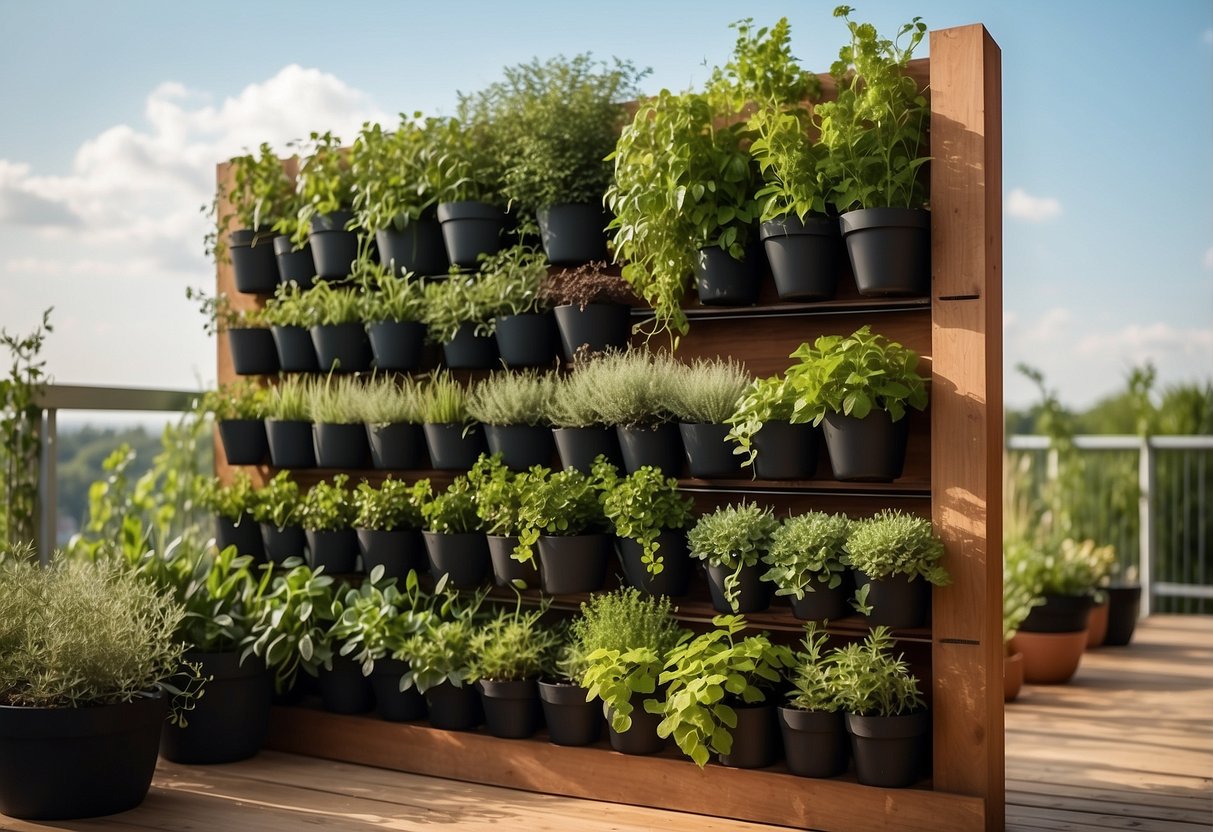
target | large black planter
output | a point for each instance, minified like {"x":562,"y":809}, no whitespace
{"x":417,"y":248}
{"x":814,"y":742}
{"x":294,"y":265}
{"x":520,"y":446}
{"x":820,"y":603}
{"x":1059,"y":614}
{"x":397,"y":550}
{"x":244,"y":441}
{"x":709,"y":455}
{"x":871,"y":449}
{"x":334,"y":249}
{"x":392,"y":703}
{"x":889,"y":751}
{"x":59,"y":763}
{"x":753,"y":593}
{"x":675,"y":573}
{"x":579,"y":447}
{"x":786,"y":451}
{"x":506,"y":570}
{"x":253,"y":351}
{"x":397,"y":345}
{"x":723,"y":281}
{"x":526,"y":340}
{"x":642,"y":737}
{"x":453,"y":708}
{"x":511,"y":708}
{"x":228,"y":723}
{"x":573,"y":233}
{"x":397,"y":447}
{"x":890,"y":250}
{"x":245,"y":536}
{"x":755,"y":739}
{"x":1124,"y":608}
{"x":896,"y":601}
{"x":660,"y":447}
{"x":454,"y":447}
{"x":336,"y":551}
{"x":469,"y":351}
{"x":470,"y":229}
{"x":803,"y":255}
{"x":597,"y":327}
{"x":341,"y":446}
{"x":280,"y":544}
{"x":463,"y":558}
{"x":571,"y":720}
{"x":342,"y":348}
{"x":253,"y":265}
{"x":344,"y":690}
{"x":576,"y":563}
{"x":296,"y":350}
{"x":291,"y":443}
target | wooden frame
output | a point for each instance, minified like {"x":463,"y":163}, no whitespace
{"x":953,"y":474}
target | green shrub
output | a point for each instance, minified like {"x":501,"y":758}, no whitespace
{"x":327,"y":506}
{"x":572,"y":401}
{"x":641,"y":506}
{"x":277,"y":502}
{"x":453,"y":511}
{"x":290,"y":632}
{"x":510,"y":280}
{"x":386,"y":297}
{"x":564,"y":504}
{"x":631,"y":388}
{"x":706,"y":391}
{"x":807,"y":548}
{"x":238,"y":400}
{"x":395,"y":173}
{"x":498,"y":495}
{"x":451,"y":303}
{"x":510,"y":398}
{"x":327,"y":305}
{"x":394,"y":505}
{"x":1068,"y":567}
{"x":764,"y":400}
{"x":871,"y":682}
{"x":325,"y":185}
{"x":733,"y":537}
{"x":232,"y":501}
{"x":894,"y":543}
{"x":512,"y":645}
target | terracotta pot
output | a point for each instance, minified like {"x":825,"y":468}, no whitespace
{"x":1012,"y":676}
{"x":1097,"y":625}
{"x":1049,"y":658}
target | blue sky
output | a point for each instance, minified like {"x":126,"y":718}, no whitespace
{"x":122,"y":108}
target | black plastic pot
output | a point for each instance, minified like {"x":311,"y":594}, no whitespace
{"x":253,"y":265}
{"x":511,"y":708}
{"x":571,"y":720}
{"x":573,"y":233}
{"x":890,"y":250}
{"x":244,"y":441}
{"x":642,"y":737}
{"x":820,"y":603}
{"x":253,"y":351}
{"x":890,"y":751}
{"x":597,"y":327}
{"x":294,"y":265}
{"x":336,"y":551}
{"x":753,"y":593}
{"x":417,"y":248}
{"x":526,"y":340}
{"x":397,"y":345}
{"x":296,"y":351}
{"x":469,"y":351}
{"x":451,"y":449}
{"x":576,"y":563}
{"x":786,"y":451}
{"x":344,"y":690}
{"x":755,"y":739}
{"x":896,"y":601}
{"x":334,"y":249}
{"x":59,"y":763}
{"x":397,"y":550}
{"x":280,"y":544}
{"x":579,"y":447}
{"x":398,"y":447}
{"x":1124,"y":608}
{"x":814,"y":742}
{"x":470,"y":229}
{"x":1059,"y":614}
{"x":291,"y":443}
{"x":660,"y":447}
{"x":341,"y":446}
{"x":675,"y":574}
{"x":871,"y":449}
{"x":342,"y":348}
{"x":709,"y":455}
{"x":228,"y":723}
{"x":723,"y":281}
{"x":520,"y":446}
{"x":464,"y":558}
{"x":506,"y":570}
{"x":453,"y":708}
{"x":245,"y":536}
{"x":392,"y":703}
{"x":803,"y":256}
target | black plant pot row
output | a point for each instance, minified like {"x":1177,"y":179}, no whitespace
{"x":566,"y":565}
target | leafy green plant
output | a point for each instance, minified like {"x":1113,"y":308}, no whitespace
{"x":706,"y":391}
{"x":853,"y":376}
{"x":290,"y":306}
{"x":762,"y":69}
{"x":395,"y":504}
{"x":1066,"y":567}
{"x":442,"y":650}
{"x":243,"y":399}
{"x":513,"y":645}
{"x":325,"y":185}
{"x":585,"y":284}
{"x":395,"y":173}
{"x":328,"y":305}
{"x":469,"y":167}
{"x":387,"y":297}
{"x":451,"y":303}
{"x":797,"y":178}
{"x":510,"y":398}
{"x":453,"y":511}
{"x":641,"y":506}
{"x":375,"y":620}
{"x":871,"y":682}
{"x":807,"y":548}
{"x":765,"y":400}
{"x":327,"y":506}
{"x":444,"y":401}
{"x":232,"y":501}
{"x":815,"y":678}
{"x":219,"y":315}
{"x":510,"y":281}
{"x":707,"y":676}
{"x":1021,"y":590}
{"x":894,"y":543}
{"x":631,"y":388}
{"x":290,"y":400}
{"x":564,"y":504}
{"x":290,"y":630}
{"x":262,"y":194}
{"x":334,"y":401}
{"x":277,"y":502}
{"x":733,"y":537}
{"x":20,"y":444}
{"x":384,"y":400}
{"x":498,"y":494}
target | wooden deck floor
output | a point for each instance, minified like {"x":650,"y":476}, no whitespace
{"x":1127,"y":745}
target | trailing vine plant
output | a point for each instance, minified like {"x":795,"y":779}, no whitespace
{"x":20,"y":443}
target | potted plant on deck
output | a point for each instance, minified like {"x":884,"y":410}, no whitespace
{"x":812,"y":722}
{"x":896,"y":560}
{"x":439,"y":657}
{"x":290,"y":630}
{"x":807,"y":562}
{"x":387,"y":520}
{"x":512,"y":407}
{"x":703,"y":396}
{"x":509,"y":653}
{"x":767,"y":440}
{"x":650,"y":516}
{"x":731,"y":542}
{"x":572,"y":717}
{"x":1019,"y":596}
{"x":592,"y":308}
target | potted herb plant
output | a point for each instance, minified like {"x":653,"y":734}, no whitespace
{"x":732,"y":541}
{"x":649,"y":518}
{"x":239,"y":411}
{"x":337,"y":329}
{"x":469,"y":186}
{"x":512,"y":408}
{"x":896,"y":557}
{"x":290,"y":317}
{"x":250,"y":343}
{"x":509,"y":652}
{"x":859,"y":387}
{"x":767,"y":440}
{"x":290,"y":631}
{"x":262,"y":194}
{"x":453,"y":439}
{"x":592,"y":308}
{"x":394,"y":311}
{"x":522,"y":324}
{"x":387,"y":521}
{"x":276,"y":508}
{"x":1019,"y":596}
{"x":327,"y":516}
{"x":325,"y":218}
{"x":231,"y":504}
{"x":459,"y":317}
{"x":393,"y":411}
{"x":572,"y":718}
{"x":812,"y":722}
{"x":498,"y":500}
{"x":440,"y":658}
{"x":703,"y":396}
{"x":454,"y":536}
{"x":1124,"y":609}
{"x":807,"y":561}
{"x":288,"y":425}
{"x":337,"y":430}
{"x":345,"y":676}
{"x":561,"y":516}
{"x":631,"y":392}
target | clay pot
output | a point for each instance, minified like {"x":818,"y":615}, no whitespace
{"x":1097,"y":625}
{"x":1049,"y":658}
{"x":1012,"y":676}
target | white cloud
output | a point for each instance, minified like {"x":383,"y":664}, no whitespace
{"x":1049,"y":326}
{"x":1023,"y":205}
{"x":1209,"y":258}
{"x":1140,"y":341}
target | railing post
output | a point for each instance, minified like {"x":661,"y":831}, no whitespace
{"x":1145,"y":514}
{"x":48,"y":485}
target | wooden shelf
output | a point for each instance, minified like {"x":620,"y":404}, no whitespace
{"x":841,"y":306}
